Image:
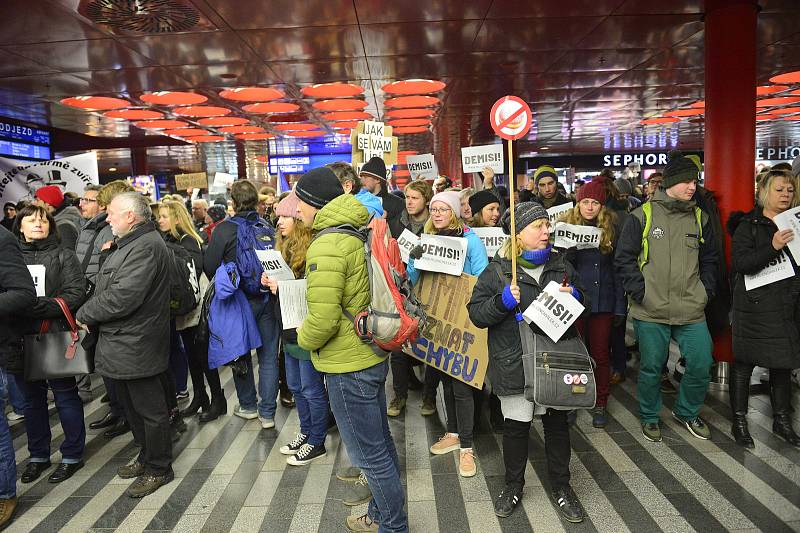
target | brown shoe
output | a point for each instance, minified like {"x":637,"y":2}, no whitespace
{"x":7,"y":509}
{"x":148,"y":484}
{"x":616,"y":378}
{"x":135,"y":469}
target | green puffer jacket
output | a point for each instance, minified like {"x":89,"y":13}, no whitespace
{"x":337,"y":278}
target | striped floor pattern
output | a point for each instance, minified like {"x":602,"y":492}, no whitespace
{"x":230,"y":476}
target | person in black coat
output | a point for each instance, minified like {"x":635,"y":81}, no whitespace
{"x":63,"y":278}
{"x":765,"y":318}
{"x":373,"y":179}
{"x":494,"y":305}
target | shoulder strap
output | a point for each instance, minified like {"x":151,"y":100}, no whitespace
{"x":647,"y":211}
{"x":90,"y":251}
{"x":698,"y":215}
{"x":347,"y":229}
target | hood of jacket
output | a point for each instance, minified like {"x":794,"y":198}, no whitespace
{"x":69,"y":214}
{"x":672,"y":204}
{"x":342,"y":210}
{"x":226,"y":280}
{"x":371,"y":202}
{"x":754,"y":216}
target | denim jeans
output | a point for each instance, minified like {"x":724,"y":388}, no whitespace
{"x":358,"y":401}
{"x":13,"y":394}
{"x":269,"y":328}
{"x":37,"y":419}
{"x":8,"y":466}
{"x":310,"y":397}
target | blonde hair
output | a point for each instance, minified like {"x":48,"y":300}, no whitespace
{"x":110,"y":190}
{"x":455,"y":223}
{"x":505,"y":250}
{"x":765,"y":182}
{"x":605,"y":221}
{"x":422,"y":187}
{"x":180,"y":222}
{"x":294,"y":246}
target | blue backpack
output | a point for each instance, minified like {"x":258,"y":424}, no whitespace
{"x":253,"y":233}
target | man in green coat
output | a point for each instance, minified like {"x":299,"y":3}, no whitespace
{"x":336,"y":273}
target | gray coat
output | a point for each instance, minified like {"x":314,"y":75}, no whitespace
{"x":130,"y":307}
{"x":69,"y":222}
{"x":95,"y":233}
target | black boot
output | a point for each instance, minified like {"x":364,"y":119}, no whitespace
{"x":780,"y":394}
{"x":200,"y":401}
{"x":219,"y":406}
{"x":739,"y":395}
{"x":740,"y":432}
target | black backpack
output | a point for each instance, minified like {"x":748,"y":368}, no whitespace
{"x":184,"y":285}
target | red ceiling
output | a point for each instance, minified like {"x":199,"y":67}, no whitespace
{"x":592,"y":70}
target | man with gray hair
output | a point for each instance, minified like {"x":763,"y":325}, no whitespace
{"x":129,"y":313}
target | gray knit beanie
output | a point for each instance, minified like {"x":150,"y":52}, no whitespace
{"x":524,"y":214}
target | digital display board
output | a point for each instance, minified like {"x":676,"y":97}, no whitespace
{"x":303,"y":163}
{"x":26,"y":151}
{"x":18,"y":132}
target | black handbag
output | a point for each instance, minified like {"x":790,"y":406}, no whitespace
{"x":57,"y":354}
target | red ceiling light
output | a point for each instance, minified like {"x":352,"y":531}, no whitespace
{"x":785,"y":111}
{"x":409,"y":129}
{"x":659,"y":120}
{"x":289,"y":117}
{"x":765,"y":116}
{"x":92,"y":103}
{"x":410,"y":122}
{"x":787,"y":78}
{"x":410,"y":113}
{"x":133,"y":114}
{"x":223,"y":121}
{"x":255,"y":137}
{"x":347,"y":115}
{"x":252,"y":94}
{"x":242,"y":129}
{"x":414,"y":87}
{"x":341,"y":104}
{"x":343,"y":131}
{"x":412,"y":101}
{"x":205,"y":139}
{"x":173,"y":98}
{"x":769,"y":89}
{"x":271,"y":107}
{"x":699,"y":103}
{"x":341,"y":124}
{"x":201,"y":111}
{"x":185,"y":132}
{"x":778,"y":100}
{"x":160,"y":124}
{"x":793,"y":117}
{"x":296,"y":127}
{"x":332,"y":90}
{"x":407,"y":152}
{"x":684,"y":112}
{"x":314,"y":133}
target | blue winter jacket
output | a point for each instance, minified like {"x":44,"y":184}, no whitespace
{"x":477,"y":257}
{"x":371,"y":202}
{"x":232,"y":329}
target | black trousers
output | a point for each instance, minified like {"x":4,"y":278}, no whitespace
{"x":145,"y":404}
{"x":113,"y":400}
{"x":780,"y":388}
{"x":198,"y":365}
{"x":402,"y":366}
{"x":556,"y":446}
{"x":459,"y":402}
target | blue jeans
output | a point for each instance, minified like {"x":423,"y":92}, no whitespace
{"x":178,"y":362}
{"x":13,"y":393}
{"x":269,"y":328}
{"x":310,"y":397}
{"x":358,"y":401}
{"x":37,"y":420}
{"x":8,"y":466}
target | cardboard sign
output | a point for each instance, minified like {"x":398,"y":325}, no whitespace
{"x":370,"y":139}
{"x":195,"y":180}
{"x":37,"y":274}
{"x":790,"y":219}
{"x":553,"y":311}
{"x":294,"y":305}
{"x":580,"y":237}
{"x":476,"y":158}
{"x":274,"y":265}
{"x":493,"y":239}
{"x":422,"y":167}
{"x":442,"y":254}
{"x":450,"y":342}
{"x":555,"y":212}
{"x":777,"y":269}
{"x":407,"y":241}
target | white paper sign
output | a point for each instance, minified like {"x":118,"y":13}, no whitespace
{"x":422,"y":167}
{"x":555,"y":212}
{"x":777,"y":269}
{"x":19,"y":180}
{"x":790,"y":219}
{"x":554,"y":311}
{"x":442,"y":254}
{"x":493,"y":239}
{"x":580,"y":237}
{"x":476,"y":158}
{"x":37,"y":273}
{"x":407,"y":241}
{"x":294,"y":305}
{"x":274,"y":265}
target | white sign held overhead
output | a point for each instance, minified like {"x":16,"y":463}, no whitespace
{"x":493,"y":239}
{"x":442,"y":254}
{"x":555,"y":212}
{"x":476,"y":158}
{"x":580,"y":237}
{"x":37,"y":274}
{"x":777,"y":269}
{"x":407,"y":241}
{"x":221,"y":182}
{"x":790,"y":219}
{"x":554,"y":311}
{"x":293,"y":302}
{"x":274,"y":265}
{"x":19,"y":180}
{"x":422,"y":167}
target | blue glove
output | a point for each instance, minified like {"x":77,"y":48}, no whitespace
{"x":508,"y":299}
{"x":575,"y":292}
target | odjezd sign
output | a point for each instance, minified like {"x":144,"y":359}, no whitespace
{"x":450,"y":342}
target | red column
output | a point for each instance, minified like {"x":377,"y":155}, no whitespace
{"x":730,"y":94}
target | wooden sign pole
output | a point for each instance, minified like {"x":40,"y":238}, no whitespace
{"x":511,"y":190}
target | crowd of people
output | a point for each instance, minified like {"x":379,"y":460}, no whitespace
{"x":163,"y":292}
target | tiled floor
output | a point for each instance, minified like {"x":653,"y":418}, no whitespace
{"x":230,"y":476}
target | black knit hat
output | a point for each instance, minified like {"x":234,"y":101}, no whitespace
{"x":679,"y":169}
{"x":216,"y":212}
{"x":318,"y":186}
{"x":481,"y":199}
{"x":524,"y":214}
{"x":375,"y":167}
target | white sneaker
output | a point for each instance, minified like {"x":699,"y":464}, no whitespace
{"x":266,"y":423}
{"x":247,"y":414}
{"x":14,"y":417}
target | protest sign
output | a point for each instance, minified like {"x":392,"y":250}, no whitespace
{"x":37,"y":274}
{"x":442,"y":254}
{"x":555,"y":212}
{"x":422,"y":167}
{"x":553,"y":311}
{"x":777,"y":269}
{"x":194,"y":180}
{"x":19,"y":180}
{"x":221,"y":182}
{"x":370,"y":139}
{"x":450,"y":342}
{"x":407,"y":241}
{"x":476,"y":158}
{"x":294,"y":305}
{"x":580,"y":237}
{"x":493,"y":239}
{"x":274,"y":265}
{"x":790,"y":219}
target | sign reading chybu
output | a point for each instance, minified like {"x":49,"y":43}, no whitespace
{"x":450,"y":342}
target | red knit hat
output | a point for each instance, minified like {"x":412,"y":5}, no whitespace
{"x":51,"y":194}
{"x":594,"y":190}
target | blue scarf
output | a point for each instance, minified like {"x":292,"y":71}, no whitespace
{"x":536,"y":257}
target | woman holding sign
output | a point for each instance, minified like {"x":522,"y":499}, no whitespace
{"x":604,"y":288}
{"x":458,"y":397}
{"x":496,"y":304}
{"x":766,"y":305}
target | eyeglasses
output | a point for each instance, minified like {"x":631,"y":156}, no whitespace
{"x":88,"y":200}
{"x":440,"y":210}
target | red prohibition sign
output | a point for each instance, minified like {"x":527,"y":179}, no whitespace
{"x":511,"y":118}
